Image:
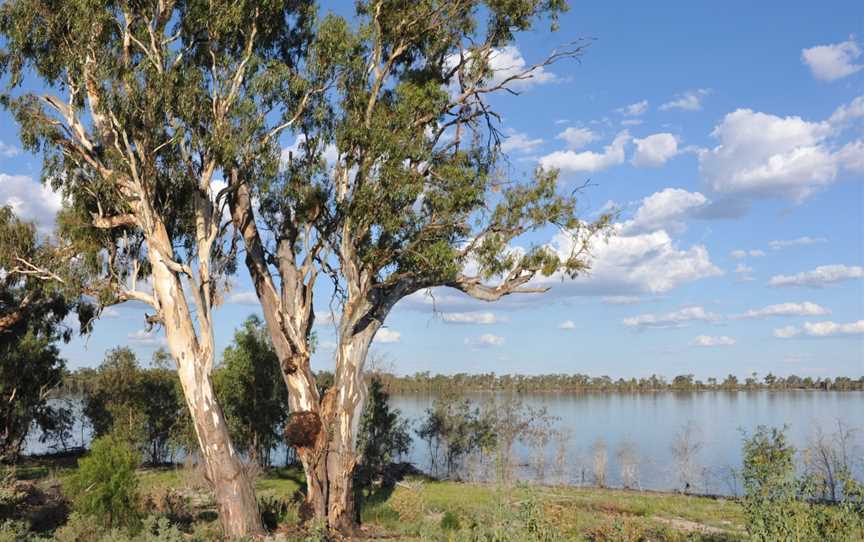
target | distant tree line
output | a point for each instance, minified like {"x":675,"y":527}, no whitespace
{"x":81,"y":382}
{"x":426,"y":382}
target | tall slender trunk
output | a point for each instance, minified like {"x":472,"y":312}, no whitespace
{"x":234,"y":493}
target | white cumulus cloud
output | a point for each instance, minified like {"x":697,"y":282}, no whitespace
{"x":477,"y":318}
{"x":833,"y":61}
{"x":567,"y":325}
{"x":8,"y":151}
{"x":665,"y":209}
{"x":739,"y":254}
{"x":147,"y":338}
{"x":570,"y":161}
{"x":622,"y":299}
{"x":800,"y":241}
{"x":508,"y":61}
{"x":821,"y":329}
{"x":635,"y":264}
{"x":243,"y":298}
{"x":655,"y":150}
{"x":806,"y":308}
{"x":743,"y":269}
{"x":671,"y":319}
{"x":577,"y":137}
{"x":634,"y":109}
{"x":386,"y":335}
{"x":766,"y":155}
{"x":30,"y":200}
{"x":819,"y":277}
{"x":519,"y":142}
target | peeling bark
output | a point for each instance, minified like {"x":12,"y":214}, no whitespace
{"x":349,"y":392}
{"x":235,"y":496}
{"x":234,"y":493}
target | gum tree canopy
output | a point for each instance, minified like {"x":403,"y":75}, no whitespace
{"x":395,"y":185}
{"x":32,"y":314}
{"x":132,"y":104}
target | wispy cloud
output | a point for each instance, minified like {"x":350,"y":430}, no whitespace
{"x":690,"y":100}
{"x":819,"y":277}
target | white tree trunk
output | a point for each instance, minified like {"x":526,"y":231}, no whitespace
{"x":235,"y":497}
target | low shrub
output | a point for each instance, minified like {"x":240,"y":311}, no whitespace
{"x":409,"y":502}
{"x":275,"y":511}
{"x":105,"y":487}
{"x":780,"y":508}
{"x":170,"y":504}
{"x":450,"y":522}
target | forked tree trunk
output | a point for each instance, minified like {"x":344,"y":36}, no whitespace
{"x":325,"y":438}
{"x":235,"y":496}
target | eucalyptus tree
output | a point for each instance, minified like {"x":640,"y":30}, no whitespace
{"x":25,"y":300}
{"x":33,"y":319}
{"x":131,"y":104}
{"x":395,"y":185}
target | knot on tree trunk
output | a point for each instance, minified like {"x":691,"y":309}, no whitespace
{"x":302,"y":428}
{"x":290,"y":364}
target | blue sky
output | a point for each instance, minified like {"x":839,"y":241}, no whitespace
{"x":730,"y":136}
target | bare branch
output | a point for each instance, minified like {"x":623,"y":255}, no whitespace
{"x":474,"y":287}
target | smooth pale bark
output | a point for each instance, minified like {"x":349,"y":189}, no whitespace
{"x":235,"y":496}
{"x":350,"y":392}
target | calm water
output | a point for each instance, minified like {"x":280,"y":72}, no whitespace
{"x":650,"y":422}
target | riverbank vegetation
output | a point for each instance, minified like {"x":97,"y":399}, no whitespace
{"x":482,"y":446}
{"x":77,"y":382}
{"x":100,"y":498}
{"x":426,"y":382}
{"x":167,"y":128}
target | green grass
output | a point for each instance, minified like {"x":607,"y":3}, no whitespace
{"x":575,"y":511}
{"x":403,"y":513}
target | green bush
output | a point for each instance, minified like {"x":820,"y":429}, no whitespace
{"x":450,"y":522}
{"x":153,"y":529}
{"x":781,"y":508}
{"x":507,"y":522}
{"x":105,"y":486}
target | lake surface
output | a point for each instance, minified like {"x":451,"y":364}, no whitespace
{"x":648,"y":423}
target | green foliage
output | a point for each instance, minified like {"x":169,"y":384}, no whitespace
{"x":29,"y":302}
{"x":450,"y":522}
{"x":12,"y":495}
{"x":506,"y":522}
{"x":152,"y":529}
{"x":454,"y":428}
{"x":383,"y":435}
{"x":250,"y":389}
{"x":105,"y":487}
{"x":30,"y":368}
{"x":781,"y":508}
{"x":141,"y":405}
{"x":576,"y":382}
{"x":32,"y":316}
